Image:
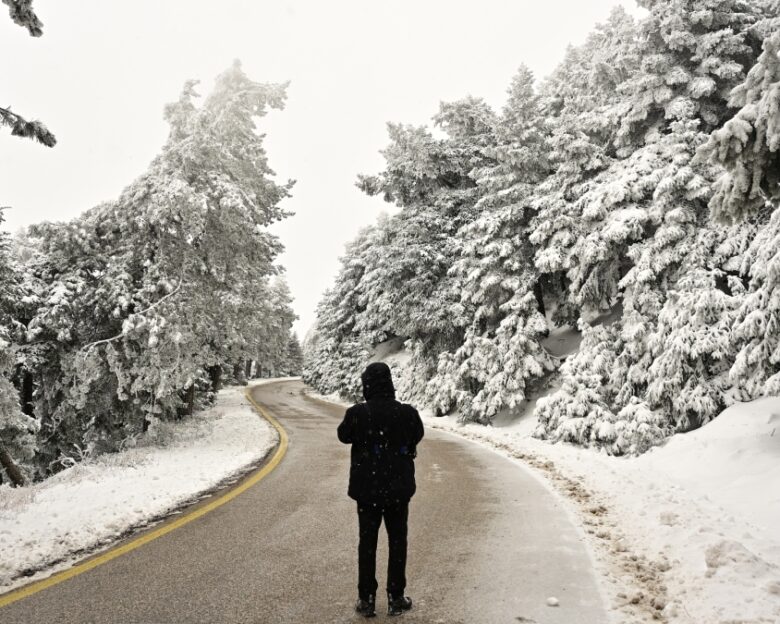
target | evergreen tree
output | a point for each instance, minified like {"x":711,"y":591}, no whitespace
{"x":646,"y":234}
{"x":293,"y":361}
{"x":749,"y":187}
{"x":337,"y":350}
{"x":270,"y":337}
{"x":499,"y":285}
{"x":583,"y":115}
{"x":147,"y":296}
{"x":431,"y":181}
{"x":748,"y":145}
{"x":581,"y":411}
{"x":693,"y":53}
{"x":17,"y":429}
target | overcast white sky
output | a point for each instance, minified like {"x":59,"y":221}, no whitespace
{"x":103,"y":70}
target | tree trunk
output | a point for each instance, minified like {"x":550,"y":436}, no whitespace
{"x":215,"y":373}
{"x":190,"y":400}
{"x":539,"y":297}
{"x":26,"y":398}
{"x":248,"y":369}
{"x":11,"y":469}
{"x":238,"y":373}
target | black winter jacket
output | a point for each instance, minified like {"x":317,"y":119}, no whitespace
{"x":384,"y":434}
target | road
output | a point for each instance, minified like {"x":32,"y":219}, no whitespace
{"x":488,"y":545}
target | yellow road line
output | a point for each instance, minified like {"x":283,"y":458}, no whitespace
{"x":34,"y":588}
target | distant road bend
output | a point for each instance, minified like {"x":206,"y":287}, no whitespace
{"x":488,"y":544}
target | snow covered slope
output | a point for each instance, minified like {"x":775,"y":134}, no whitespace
{"x":734,"y":461}
{"x":96,"y":501}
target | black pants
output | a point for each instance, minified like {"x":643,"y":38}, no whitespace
{"x":369,"y":520}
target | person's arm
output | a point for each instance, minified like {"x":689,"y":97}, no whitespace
{"x":417,"y":427}
{"x":346,"y":430}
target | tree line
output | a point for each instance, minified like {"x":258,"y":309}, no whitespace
{"x":631,"y":195}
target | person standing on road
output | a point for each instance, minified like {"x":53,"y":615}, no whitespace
{"x":384,"y":435}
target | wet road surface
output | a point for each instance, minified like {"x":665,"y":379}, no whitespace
{"x":488,"y":544}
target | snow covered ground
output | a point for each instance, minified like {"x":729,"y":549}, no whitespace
{"x":96,"y":501}
{"x":688,"y":532}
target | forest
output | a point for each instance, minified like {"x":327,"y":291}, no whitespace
{"x":631,"y":199}
{"x":142,"y":307}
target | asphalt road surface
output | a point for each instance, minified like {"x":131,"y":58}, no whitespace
{"x":487,"y":544}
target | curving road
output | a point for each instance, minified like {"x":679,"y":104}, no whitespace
{"x":488,"y":544}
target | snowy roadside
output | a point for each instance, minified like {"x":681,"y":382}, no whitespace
{"x":47,"y":526}
{"x":686,"y":533}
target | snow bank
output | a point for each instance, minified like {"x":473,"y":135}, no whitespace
{"x":734,"y":461}
{"x":689,"y":530}
{"x":94,"y":502}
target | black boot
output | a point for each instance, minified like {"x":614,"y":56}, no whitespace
{"x":396,"y":606}
{"x":366,"y":608}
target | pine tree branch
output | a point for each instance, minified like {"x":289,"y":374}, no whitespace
{"x":22,"y":14}
{"x":144,"y":311}
{"x":28,"y":129}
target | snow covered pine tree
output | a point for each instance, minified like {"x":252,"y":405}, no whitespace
{"x":140,"y":301}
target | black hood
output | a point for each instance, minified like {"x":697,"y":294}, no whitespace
{"x":377,"y":382}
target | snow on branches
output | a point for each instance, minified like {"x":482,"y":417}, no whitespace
{"x":748,"y":145}
{"x":597,"y":194}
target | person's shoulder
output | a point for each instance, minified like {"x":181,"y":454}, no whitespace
{"x":357,"y":407}
{"x":407,"y":408}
